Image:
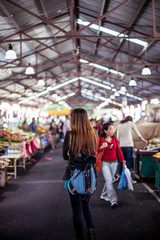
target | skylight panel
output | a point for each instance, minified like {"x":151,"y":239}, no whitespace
{"x":111,"y":32}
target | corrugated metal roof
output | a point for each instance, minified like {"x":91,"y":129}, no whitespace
{"x":47,"y":35}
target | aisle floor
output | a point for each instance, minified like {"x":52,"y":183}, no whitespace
{"x":36,"y":206}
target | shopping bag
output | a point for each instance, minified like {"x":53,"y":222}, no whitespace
{"x":128,"y":178}
{"x":122,"y":183}
{"x":125,"y":180}
{"x":98,"y":163}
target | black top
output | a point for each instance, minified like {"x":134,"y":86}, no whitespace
{"x":76,"y":162}
{"x":66,"y":146}
{"x":66,"y":149}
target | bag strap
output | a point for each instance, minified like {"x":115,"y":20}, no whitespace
{"x":72,"y":188}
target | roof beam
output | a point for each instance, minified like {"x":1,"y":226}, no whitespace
{"x":139,"y":11}
{"x":15,"y":23}
{"x":104,"y":9}
{"x":122,"y":51}
{"x":115,"y":77}
{"x":104,"y":15}
{"x":17,"y":26}
{"x":114,"y":24}
{"x":42,"y":10}
{"x":105,"y":64}
{"x":35,"y":15}
{"x":8,"y":14}
{"x":82,"y":37}
{"x":29,"y":28}
{"x":73,"y":5}
{"x":33,"y":53}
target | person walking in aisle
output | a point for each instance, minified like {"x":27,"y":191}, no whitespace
{"x":124,"y":136}
{"x":53,"y":130}
{"x":61,"y":130}
{"x":81,"y":139}
{"x":66,"y":125}
{"x":112,"y":152}
{"x":99,"y":126}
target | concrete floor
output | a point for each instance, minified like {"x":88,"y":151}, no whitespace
{"x":36,"y":206}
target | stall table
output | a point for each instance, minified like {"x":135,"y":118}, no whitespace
{"x":145,"y":166}
{"x":16,"y":160}
{"x":157,"y":173}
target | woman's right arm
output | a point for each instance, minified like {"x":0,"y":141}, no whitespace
{"x":66,"y":146}
{"x":101,"y":144}
{"x":138,"y":133}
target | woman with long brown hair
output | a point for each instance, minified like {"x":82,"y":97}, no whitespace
{"x":80,"y":140}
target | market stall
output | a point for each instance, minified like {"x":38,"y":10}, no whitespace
{"x":15,"y":161}
{"x":144,"y":164}
{"x":18,"y":145}
{"x":156,"y":158}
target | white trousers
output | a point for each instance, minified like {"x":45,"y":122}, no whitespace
{"x":109,"y":170}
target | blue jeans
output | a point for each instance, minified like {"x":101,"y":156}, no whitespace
{"x":81,"y":208}
{"x":127,"y":153}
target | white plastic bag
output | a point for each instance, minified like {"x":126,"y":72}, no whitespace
{"x":128,"y":179}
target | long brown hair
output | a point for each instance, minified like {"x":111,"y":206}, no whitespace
{"x":83,"y":138}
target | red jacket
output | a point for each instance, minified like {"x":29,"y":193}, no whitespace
{"x":99,"y":127}
{"x":112,"y":152}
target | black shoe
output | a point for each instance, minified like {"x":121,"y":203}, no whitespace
{"x":91,"y":234}
{"x":114,"y":205}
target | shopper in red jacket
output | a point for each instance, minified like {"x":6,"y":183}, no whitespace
{"x":112,"y":153}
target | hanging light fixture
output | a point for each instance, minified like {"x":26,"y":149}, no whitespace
{"x":146,"y":70}
{"x":29,"y":92}
{"x":41,"y":82}
{"x":10,"y":54}
{"x":29,"y":70}
{"x":123,"y":89}
{"x":116,"y":94}
{"x":112,"y":97}
{"x":132,"y":83}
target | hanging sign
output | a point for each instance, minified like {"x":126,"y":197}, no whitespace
{"x":55,"y":109}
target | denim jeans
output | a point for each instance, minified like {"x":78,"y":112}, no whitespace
{"x":81,"y":208}
{"x":109,"y":170}
{"x":127,"y":153}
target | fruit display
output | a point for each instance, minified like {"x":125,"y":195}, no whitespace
{"x":15,"y":135}
{"x":8,"y":135}
{"x":24,"y":128}
{"x":157,"y":155}
{"x":41,"y":129}
{"x":155,"y":140}
{"x":149,"y":131}
{"x":154,"y":143}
